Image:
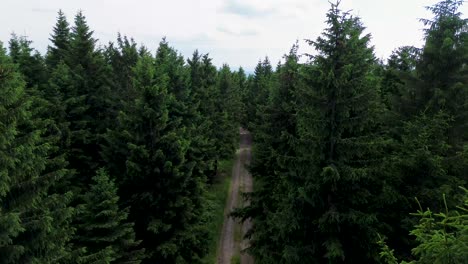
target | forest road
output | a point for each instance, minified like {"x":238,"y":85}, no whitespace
{"x":231,"y":242}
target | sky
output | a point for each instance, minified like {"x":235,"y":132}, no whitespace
{"x":236,"y":32}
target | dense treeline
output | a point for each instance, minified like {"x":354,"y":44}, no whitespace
{"x":344,"y":142}
{"x":107,"y":152}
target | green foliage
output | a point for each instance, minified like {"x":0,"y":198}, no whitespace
{"x":227,"y":106}
{"x":61,"y":42}
{"x":441,"y":70}
{"x":89,"y":86}
{"x":161,"y":187}
{"x":342,"y":143}
{"x":426,"y":124}
{"x":272,"y":156}
{"x":216,"y":98}
{"x":102,"y":228}
{"x":202,"y":85}
{"x":217,"y":194}
{"x":12,"y":94}
{"x":122,"y":57}
{"x":258,"y":93}
{"x":441,"y":237}
{"x":30,"y":62}
{"x":27,"y":214}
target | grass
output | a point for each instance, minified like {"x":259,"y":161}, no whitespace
{"x":237,"y":240}
{"x":235,"y":259}
{"x":217,"y":196}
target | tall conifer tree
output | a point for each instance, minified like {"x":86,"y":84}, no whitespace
{"x":273,"y":155}
{"x":103,"y":229}
{"x":90,"y":81}
{"x":60,"y":39}
{"x":159,"y":185}
{"x":339,"y":148}
{"x":31,"y":221}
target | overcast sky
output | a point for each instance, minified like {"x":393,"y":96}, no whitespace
{"x":237,"y":32}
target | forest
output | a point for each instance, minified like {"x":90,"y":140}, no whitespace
{"x":108,"y":153}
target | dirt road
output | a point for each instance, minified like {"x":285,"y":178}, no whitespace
{"x":231,"y":243}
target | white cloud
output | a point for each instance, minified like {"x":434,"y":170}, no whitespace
{"x":238,"y":32}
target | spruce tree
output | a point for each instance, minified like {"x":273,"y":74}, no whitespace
{"x":441,"y":70}
{"x":122,"y":57}
{"x":259,"y":93}
{"x":12,"y":94}
{"x":159,"y":184}
{"x":103,"y":229}
{"x":339,"y":148}
{"x":441,"y":237}
{"x":228,"y":108}
{"x":183,"y":120}
{"x":30,"y":62}
{"x":443,"y":57}
{"x":273,"y":155}
{"x":90,"y":81}
{"x":240,"y":78}
{"x":427,"y":124}
{"x":31,"y":222}
{"x":60,"y":39}
{"x":398,"y":72}
{"x":204,"y":93}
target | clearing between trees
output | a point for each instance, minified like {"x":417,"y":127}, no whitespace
{"x":231,"y":243}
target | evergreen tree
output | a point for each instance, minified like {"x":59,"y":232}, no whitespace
{"x":338,"y":150}
{"x":397,"y":73}
{"x":228,"y":107}
{"x":30,"y":221}
{"x":61,"y":42}
{"x":427,"y":157}
{"x":103,"y":229}
{"x":90,"y":83}
{"x":205,"y":95}
{"x":443,"y":58}
{"x":441,"y":70}
{"x":122,"y":57}
{"x":30,"y":62}
{"x":259,"y":93}
{"x":273,"y":154}
{"x":241,"y":81}
{"x":160,"y":187}
{"x":441,"y":237}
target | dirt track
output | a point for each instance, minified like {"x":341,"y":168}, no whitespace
{"x":241,"y":182}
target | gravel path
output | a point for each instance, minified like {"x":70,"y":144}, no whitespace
{"x":241,"y":182}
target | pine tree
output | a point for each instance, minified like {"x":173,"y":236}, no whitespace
{"x":397,"y":73}
{"x":159,"y":185}
{"x":228,"y":107}
{"x":242,"y":85}
{"x":103,"y":229}
{"x":122,"y":57}
{"x":183,"y":120}
{"x":259,"y":93}
{"x":30,"y":221}
{"x":202,"y":83}
{"x":30,"y":62}
{"x":441,"y":237}
{"x":338,"y":149}
{"x":441,"y":70}
{"x":90,"y":81}
{"x":427,"y":157}
{"x":61,"y":42}
{"x":274,"y":153}
{"x":12,"y":93}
